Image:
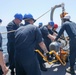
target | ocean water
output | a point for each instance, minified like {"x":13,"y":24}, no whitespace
{"x":4,"y":37}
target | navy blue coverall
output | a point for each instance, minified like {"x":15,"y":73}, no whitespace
{"x":1,"y":50}
{"x":25,"y":56}
{"x":45,"y":32}
{"x":10,"y":44}
{"x":70,"y":28}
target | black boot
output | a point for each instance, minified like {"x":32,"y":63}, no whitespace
{"x":43,"y":68}
{"x":12,"y":72}
{"x":70,"y":70}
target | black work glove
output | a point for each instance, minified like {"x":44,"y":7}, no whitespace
{"x":48,"y":56}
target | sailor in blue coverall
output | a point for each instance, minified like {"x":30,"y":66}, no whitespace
{"x":45,"y":30}
{"x":11,"y":39}
{"x":26,"y":38}
{"x":70,"y":28}
{"x":47,"y":33}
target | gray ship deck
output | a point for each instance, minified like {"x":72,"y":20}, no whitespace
{"x":54,"y":69}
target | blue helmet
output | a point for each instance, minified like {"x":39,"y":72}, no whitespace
{"x":0,"y":20}
{"x":18,"y":16}
{"x":51,"y":23}
{"x":40,"y":24}
{"x":28,"y":16}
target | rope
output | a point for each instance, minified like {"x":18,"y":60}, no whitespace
{"x":43,"y":14}
{"x":8,"y":32}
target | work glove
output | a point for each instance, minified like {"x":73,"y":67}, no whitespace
{"x":48,"y":56}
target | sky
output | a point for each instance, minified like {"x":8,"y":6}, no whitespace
{"x":8,"y":8}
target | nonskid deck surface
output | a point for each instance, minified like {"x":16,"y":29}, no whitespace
{"x":54,"y":69}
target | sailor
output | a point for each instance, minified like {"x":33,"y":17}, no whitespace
{"x":40,"y":24}
{"x":70,"y":28}
{"x":26,"y":38}
{"x":47,"y":33}
{"x":13,"y":25}
{"x":3,"y":68}
{"x":41,"y":61}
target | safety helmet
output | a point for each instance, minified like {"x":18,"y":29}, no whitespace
{"x":63,"y":14}
{"x":67,"y":16}
{"x":18,"y":16}
{"x":0,"y":20}
{"x":28,"y":16}
{"x":51,"y":23}
{"x":55,"y":25}
{"x":40,"y":24}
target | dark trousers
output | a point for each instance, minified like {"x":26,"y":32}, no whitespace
{"x":72,"y":52}
{"x":1,"y":73}
{"x":11,"y":60}
{"x":30,"y":68}
{"x":11,"y":51}
{"x":40,"y":59}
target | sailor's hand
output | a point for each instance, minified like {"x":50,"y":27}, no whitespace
{"x":4,"y":69}
{"x":53,"y":38}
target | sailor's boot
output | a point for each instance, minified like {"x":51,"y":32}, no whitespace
{"x":43,"y":68}
{"x":12,"y":72}
{"x":70,"y":70}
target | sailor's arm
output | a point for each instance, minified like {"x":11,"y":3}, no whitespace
{"x":51,"y":37}
{"x":43,"y":47}
{"x":2,"y":64}
{"x":55,"y":34}
{"x":60,"y":32}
